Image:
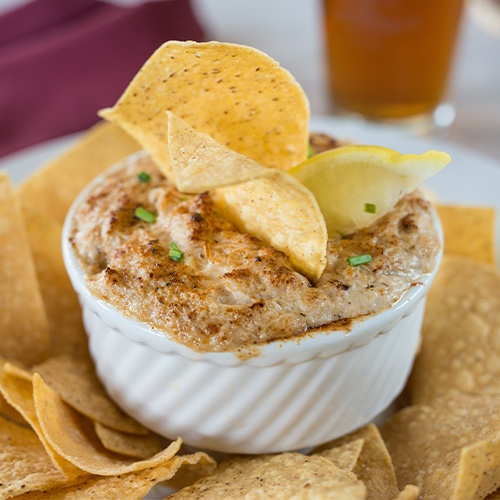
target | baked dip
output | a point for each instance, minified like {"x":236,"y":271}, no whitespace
{"x":172,"y":261}
{"x":216,"y":237}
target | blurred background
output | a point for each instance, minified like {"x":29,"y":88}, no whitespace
{"x":61,"y":61}
{"x":293,"y":33}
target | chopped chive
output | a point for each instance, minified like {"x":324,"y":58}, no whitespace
{"x":357,"y":260}
{"x":310,"y":151}
{"x":175,"y":253}
{"x":145,"y":215}
{"x":370,"y":208}
{"x":143,"y":176}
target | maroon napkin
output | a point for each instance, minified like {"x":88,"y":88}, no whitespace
{"x":62,"y":60}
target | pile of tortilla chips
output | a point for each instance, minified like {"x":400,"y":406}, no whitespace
{"x":60,"y":433}
{"x":62,"y":437}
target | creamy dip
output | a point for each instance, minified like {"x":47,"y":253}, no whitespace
{"x":229,"y":291}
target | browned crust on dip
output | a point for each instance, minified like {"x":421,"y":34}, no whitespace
{"x":230,"y":291}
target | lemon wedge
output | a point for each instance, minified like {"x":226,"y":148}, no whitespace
{"x":356,"y":185}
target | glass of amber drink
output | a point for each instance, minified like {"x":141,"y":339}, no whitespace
{"x":390,"y":60}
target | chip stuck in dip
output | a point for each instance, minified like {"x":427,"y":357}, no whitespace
{"x":209,"y":256}
{"x":224,"y":253}
{"x":227,"y":290}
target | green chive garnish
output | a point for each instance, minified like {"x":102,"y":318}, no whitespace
{"x":143,"y":176}
{"x":310,"y":151}
{"x":370,"y":208}
{"x":175,"y":253}
{"x":145,"y":215}
{"x":357,"y":260}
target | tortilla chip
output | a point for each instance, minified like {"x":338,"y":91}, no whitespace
{"x":276,"y":209}
{"x":24,"y":334}
{"x":373,"y":466}
{"x":18,"y":371}
{"x":282,"y":213}
{"x":75,"y":381}
{"x":8,"y":412}
{"x":200,"y":163}
{"x":18,"y":392}
{"x":236,"y":94}
{"x":345,"y":456}
{"x":461,"y":333}
{"x":190,"y":473}
{"x":24,"y":463}
{"x":59,"y":298}
{"x":435,"y":446}
{"x":469,"y":231}
{"x":131,"y":445}
{"x":53,"y":187}
{"x":287,"y":475}
{"x":133,"y":486}
{"x":74,"y":439}
{"x":478,"y":469}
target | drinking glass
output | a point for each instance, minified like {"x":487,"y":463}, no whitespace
{"x":390,"y":60}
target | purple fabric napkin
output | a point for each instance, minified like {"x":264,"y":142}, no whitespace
{"x":62,"y":60}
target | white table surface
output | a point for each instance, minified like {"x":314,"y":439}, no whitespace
{"x":291,"y":32}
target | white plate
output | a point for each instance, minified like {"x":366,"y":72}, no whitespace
{"x":471,"y":178}
{"x":23,"y":163}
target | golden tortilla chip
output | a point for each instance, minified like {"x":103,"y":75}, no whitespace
{"x":8,"y":412}
{"x":53,"y":187}
{"x":287,"y":475}
{"x":74,"y":439}
{"x":6,"y":409}
{"x":24,"y":334}
{"x":478,"y":469}
{"x":276,"y":209}
{"x":236,"y":94}
{"x":190,"y":473}
{"x":18,"y":371}
{"x":131,"y":445}
{"x":133,"y":486}
{"x":200,"y":163}
{"x":345,"y":456}
{"x":373,"y":466}
{"x":469,"y":231}
{"x":450,"y":449}
{"x":75,"y":381}
{"x":60,"y":300}
{"x":461,"y":333}
{"x":18,"y":392}
{"x":24,"y":463}
{"x":282,"y":213}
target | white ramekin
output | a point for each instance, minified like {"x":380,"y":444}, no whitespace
{"x":294,"y":395}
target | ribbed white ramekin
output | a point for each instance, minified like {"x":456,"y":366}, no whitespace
{"x":295,"y":394}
